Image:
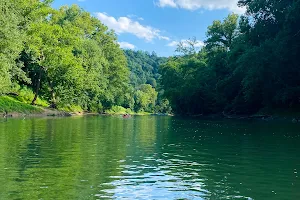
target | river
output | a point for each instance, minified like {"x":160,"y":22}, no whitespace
{"x":148,"y":157}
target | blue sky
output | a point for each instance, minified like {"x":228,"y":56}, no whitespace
{"x":156,"y":25}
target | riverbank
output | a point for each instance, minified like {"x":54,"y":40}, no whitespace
{"x":275,"y":115}
{"x":11,"y":107}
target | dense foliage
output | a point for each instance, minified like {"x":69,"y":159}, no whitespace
{"x":144,"y":81}
{"x":143,"y":67}
{"x":11,"y":44}
{"x":65,"y":56}
{"x":249,"y":63}
{"x":70,"y":59}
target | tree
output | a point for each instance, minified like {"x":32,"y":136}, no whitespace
{"x":188,"y":47}
{"x":220,"y":35}
{"x":74,"y":59}
{"x":11,"y":44}
{"x":145,"y":98}
{"x":50,"y":47}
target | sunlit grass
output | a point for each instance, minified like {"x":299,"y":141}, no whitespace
{"x":26,"y":95}
{"x":9,"y":104}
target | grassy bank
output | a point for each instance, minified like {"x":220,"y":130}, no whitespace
{"x":10,"y":105}
{"x":22,"y":105}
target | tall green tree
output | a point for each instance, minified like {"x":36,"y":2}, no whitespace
{"x":145,"y":98}
{"x":220,"y":35}
{"x":11,"y":44}
{"x":50,"y":47}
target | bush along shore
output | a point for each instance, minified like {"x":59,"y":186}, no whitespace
{"x":13,"y":107}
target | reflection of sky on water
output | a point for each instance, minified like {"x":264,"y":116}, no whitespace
{"x":162,"y":179}
{"x":169,"y":176}
{"x":153,"y":185}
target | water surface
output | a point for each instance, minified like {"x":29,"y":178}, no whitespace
{"x":148,"y":158}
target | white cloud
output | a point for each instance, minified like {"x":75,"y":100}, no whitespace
{"x":205,"y":4}
{"x":126,"y":45}
{"x":173,"y":44}
{"x":127,"y":25}
{"x":135,"y":17}
{"x":185,"y":43}
{"x":164,"y":3}
{"x":164,"y":38}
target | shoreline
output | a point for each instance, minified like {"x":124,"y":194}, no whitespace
{"x":57,"y":113}
{"x":47,"y":112}
{"x":292,"y":117}
{"x":13,"y":108}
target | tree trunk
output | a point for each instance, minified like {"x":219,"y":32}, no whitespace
{"x":38,"y":85}
{"x":53,"y":100}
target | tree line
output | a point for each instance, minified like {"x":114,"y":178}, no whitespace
{"x":68,"y":57}
{"x":249,"y":63}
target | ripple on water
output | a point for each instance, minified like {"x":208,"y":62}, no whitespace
{"x":146,"y":158}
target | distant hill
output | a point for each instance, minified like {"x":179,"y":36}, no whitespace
{"x":143,"y":67}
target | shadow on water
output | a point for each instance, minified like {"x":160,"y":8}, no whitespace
{"x":151,"y":157}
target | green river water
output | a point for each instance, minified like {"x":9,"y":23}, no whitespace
{"x":148,"y":158}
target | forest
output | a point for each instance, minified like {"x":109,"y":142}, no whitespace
{"x":67,"y":59}
{"x":249,"y":64}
